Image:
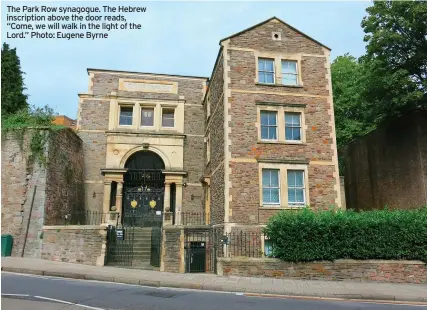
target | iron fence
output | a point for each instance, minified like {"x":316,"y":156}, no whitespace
{"x":200,"y":250}
{"x":246,"y":244}
{"x":81,"y":218}
{"x":195,"y":218}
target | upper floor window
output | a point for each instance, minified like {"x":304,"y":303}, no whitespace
{"x":296,"y":188}
{"x":147,"y":116}
{"x":289,"y":72}
{"x":268,"y":125}
{"x":270,"y":186}
{"x":168,"y":117}
{"x":266,"y":70}
{"x":292,"y":126}
{"x":126,"y":116}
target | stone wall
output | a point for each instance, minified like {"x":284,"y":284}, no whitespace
{"x":339,"y":270}
{"x":74,"y":244}
{"x":215,"y":130}
{"x":35,"y":193}
{"x":172,"y":258}
{"x":64,"y":180}
{"x":100,"y":143}
{"x":313,"y":98}
{"x":93,"y":122}
{"x":387,"y":167}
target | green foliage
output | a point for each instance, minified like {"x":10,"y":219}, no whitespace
{"x":305,"y":235}
{"x":13,"y":98}
{"x":32,"y":117}
{"x":350,"y":107}
{"x":396,"y":58}
{"x":391,"y":78}
{"x":39,"y":122}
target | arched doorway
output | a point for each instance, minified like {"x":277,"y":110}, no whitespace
{"x":143,"y":190}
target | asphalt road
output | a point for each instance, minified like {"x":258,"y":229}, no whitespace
{"x":48,"y":293}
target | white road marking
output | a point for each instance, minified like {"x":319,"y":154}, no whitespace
{"x":379,"y":302}
{"x":56,"y":300}
{"x":68,"y":303}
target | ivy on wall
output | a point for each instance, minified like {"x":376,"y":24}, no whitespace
{"x":36,"y":123}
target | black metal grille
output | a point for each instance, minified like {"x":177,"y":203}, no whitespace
{"x":200,"y":251}
{"x":149,"y":178}
{"x":120,"y":252}
{"x":245,"y":244}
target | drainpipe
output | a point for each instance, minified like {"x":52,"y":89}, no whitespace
{"x":28,"y":221}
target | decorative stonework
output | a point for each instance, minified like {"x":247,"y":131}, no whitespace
{"x":147,"y":86}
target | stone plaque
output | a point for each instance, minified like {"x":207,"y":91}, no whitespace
{"x":149,"y":86}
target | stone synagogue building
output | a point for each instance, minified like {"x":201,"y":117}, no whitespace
{"x":179,"y":163}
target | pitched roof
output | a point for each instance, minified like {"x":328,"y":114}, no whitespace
{"x":266,"y":21}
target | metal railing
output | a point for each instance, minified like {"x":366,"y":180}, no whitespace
{"x":245,"y":244}
{"x":195,"y":218}
{"x":81,"y":218}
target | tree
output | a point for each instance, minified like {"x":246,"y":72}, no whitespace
{"x":13,"y":98}
{"x":390,"y":78}
{"x":350,"y":109}
{"x":396,"y":58}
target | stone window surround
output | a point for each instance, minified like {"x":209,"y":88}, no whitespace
{"x":283,"y":168}
{"x":158,"y":108}
{"x":278,"y":67}
{"x":208,"y":105}
{"x":208,"y":148}
{"x":281,"y":110}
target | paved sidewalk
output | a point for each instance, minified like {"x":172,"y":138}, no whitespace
{"x":284,"y":287}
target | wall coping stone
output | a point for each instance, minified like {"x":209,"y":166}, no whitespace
{"x":74,"y":227}
{"x":338,"y":261}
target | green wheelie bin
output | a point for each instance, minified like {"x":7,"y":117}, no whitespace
{"x":6,"y":245}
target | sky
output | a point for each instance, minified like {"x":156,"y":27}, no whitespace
{"x":176,"y":38}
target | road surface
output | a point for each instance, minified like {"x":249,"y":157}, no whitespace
{"x":28,"y":292}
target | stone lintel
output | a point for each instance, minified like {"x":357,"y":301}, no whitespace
{"x":281,"y":104}
{"x":284,"y":161}
{"x":142,"y":133}
{"x":174,"y":172}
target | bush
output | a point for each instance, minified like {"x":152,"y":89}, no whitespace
{"x":28,"y":118}
{"x":305,"y":235}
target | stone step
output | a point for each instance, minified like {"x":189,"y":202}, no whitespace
{"x":141,"y":242}
{"x":142,"y":248}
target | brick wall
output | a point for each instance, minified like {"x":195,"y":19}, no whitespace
{"x":339,"y":270}
{"x":34,"y":194}
{"x":73,"y":244}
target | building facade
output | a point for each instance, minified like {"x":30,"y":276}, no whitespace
{"x":228,"y":151}
{"x":270,"y":127}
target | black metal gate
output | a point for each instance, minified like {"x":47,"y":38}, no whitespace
{"x":143,"y":198}
{"x":139,"y":230}
{"x":120,"y":246}
{"x":200,"y":251}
